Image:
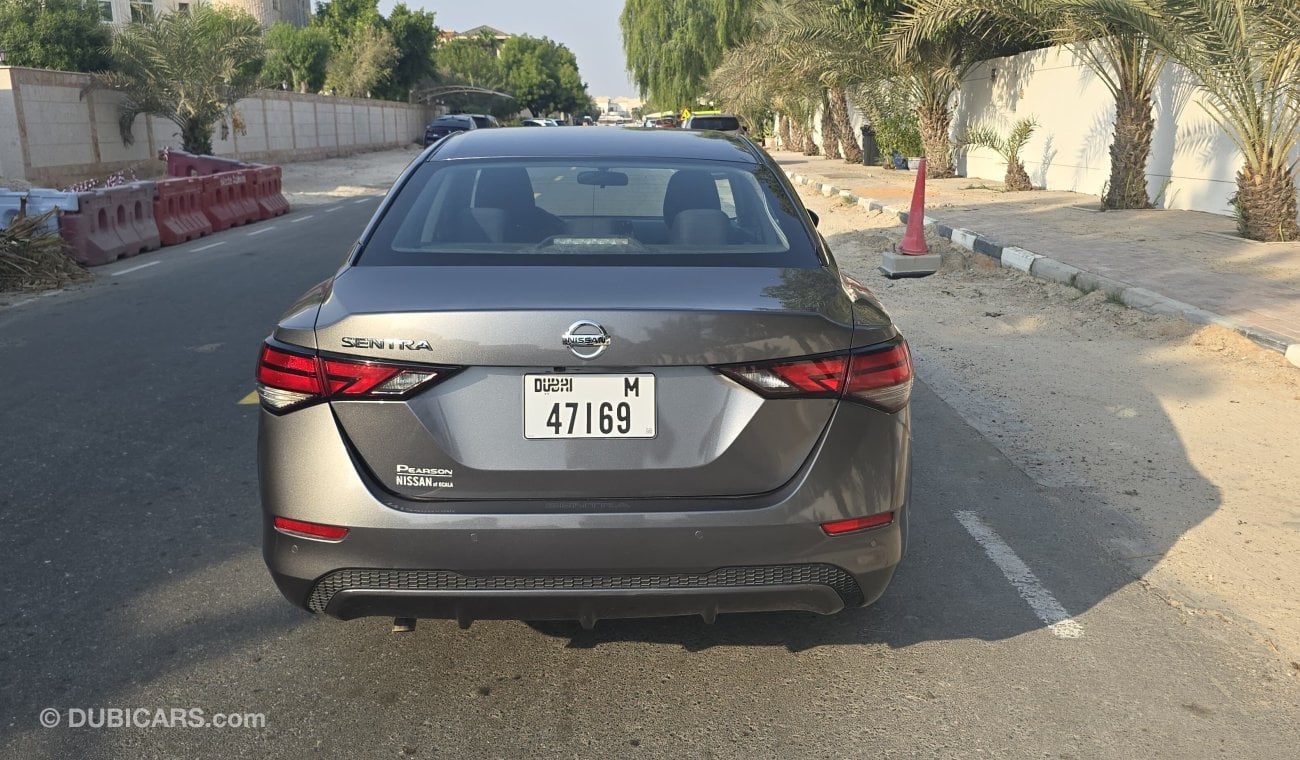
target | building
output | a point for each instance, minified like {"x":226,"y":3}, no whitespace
{"x":617,"y":109}
{"x":296,"y":12}
{"x":483,"y":32}
{"x":478,"y":32}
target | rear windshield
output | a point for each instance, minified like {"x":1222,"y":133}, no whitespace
{"x":724,"y":123}
{"x":451,"y":121}
{"x":578,"y":211}
{"x":482,"y":121}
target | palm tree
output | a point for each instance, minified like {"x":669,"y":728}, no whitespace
{"x":1008,"y":148}
{"x":759,"y":76}
{"x":189,"y":68}
{"x":1245,"y":55}
{"x":844,"y":49}
{"x":839,"y":110}
{"x":1127,"y":64}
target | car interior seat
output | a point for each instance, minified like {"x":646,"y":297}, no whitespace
{"x":505,"y":210}
{"x":693,"y":210}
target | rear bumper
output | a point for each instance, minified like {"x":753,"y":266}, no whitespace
{"x":628,"y":561}
{"x":580,"y":574}
{"x":349,"y":594}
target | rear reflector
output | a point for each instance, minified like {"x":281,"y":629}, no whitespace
{"x":316,"y":531}
{"x":855,"y":524}
{"x":879,"y":376}
{"x":287,"y":379}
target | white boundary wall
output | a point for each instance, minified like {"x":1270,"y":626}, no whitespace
{"x":1193,"y":163}
{"x":53,"y":132}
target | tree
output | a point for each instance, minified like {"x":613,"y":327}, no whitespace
{"x":415,"y":36}
{"x":1124,"y":61}
{"x":839,"y":45}
{"x":344,"y":19}
{"x":67,"y":35}
{"x":474,"y":62}
{"x":356,"y":69}
{"x":189,"y":68}
{"x":298,"y":55}
{"x":842,"y":40}
{"x":1245,"y":56}
{"x":542,"y":75}
{"x":471,"y":62}
{"x":672,"y":46}
{"x":765,"y":73}
{"x":1008,"y":148}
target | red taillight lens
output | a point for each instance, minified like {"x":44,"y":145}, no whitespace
{"x":287,"y":380}
{"x":288,"y":372}
{"x":316,"y":531}
{"x":352,"y":379}
{"x":880,"y":376}
{"x":821,"y":376}
{"x":855,"y":524}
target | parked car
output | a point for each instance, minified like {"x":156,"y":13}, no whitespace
{"x":598,"y":374}
{"x":458,"y":122}
{"x":718,"y":122}
{"x":539,"y":123}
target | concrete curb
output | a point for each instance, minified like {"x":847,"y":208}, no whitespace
{"x":1047,"y":268}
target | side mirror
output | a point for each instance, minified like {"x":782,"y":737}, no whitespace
{"x":813,"y":214}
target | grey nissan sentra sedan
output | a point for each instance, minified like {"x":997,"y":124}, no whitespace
{"x":585,"y":374}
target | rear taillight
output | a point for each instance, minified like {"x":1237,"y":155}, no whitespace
{"x":879,"y":376}
{"x":287,"y":379}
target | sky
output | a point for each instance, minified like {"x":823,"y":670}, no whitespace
{"x":587,"y":27}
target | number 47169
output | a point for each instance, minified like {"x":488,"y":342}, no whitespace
{"x":586,"y":418}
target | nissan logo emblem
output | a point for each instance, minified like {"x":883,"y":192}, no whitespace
{"x":586,"y":339}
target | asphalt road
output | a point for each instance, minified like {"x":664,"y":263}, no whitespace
{"x":132,"y":578}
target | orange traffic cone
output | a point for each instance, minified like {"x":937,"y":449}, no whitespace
{"x":914,"y":239}
{"x":912,"y":258}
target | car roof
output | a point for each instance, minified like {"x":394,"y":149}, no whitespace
{"x":578,"y":143}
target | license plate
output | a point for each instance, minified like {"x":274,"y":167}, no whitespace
{"x":589,"y":406}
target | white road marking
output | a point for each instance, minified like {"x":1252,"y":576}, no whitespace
{"x":301,"y":218}
{"x":260,"y":231}
{"x":363,"y":200}
{"x":20,"y":303}
{"x":1040,"y":600}
{"x":206,"y":247}
{"x":136,"y":269}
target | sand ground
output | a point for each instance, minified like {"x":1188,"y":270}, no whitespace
{"x":1190,"y":436}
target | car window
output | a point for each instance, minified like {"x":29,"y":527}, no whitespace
{"x":482,"y":121}
{"x":451,"y":121}
{"x":723,"y":123}
{"x":572,"y":212}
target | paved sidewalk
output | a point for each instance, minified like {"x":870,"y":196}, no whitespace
{"x":1159,"y":257}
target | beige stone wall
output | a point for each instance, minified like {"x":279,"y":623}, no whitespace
{"x":53,"y":131}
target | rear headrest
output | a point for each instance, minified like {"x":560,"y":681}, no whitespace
{"x":504,"y":187}
{"x":700,"y":226}
{"x":690,"y":188}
